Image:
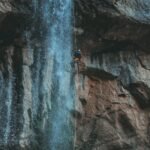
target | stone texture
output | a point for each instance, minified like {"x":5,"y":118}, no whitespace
{"x":113,"y":85}
{"x":136,"y":9}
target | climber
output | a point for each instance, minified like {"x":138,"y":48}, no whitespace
{"x":77,"y":55}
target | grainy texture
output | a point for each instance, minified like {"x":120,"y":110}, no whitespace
{"x":113,"y":86}
{"x":114,"y":83}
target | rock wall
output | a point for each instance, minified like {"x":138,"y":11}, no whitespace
{"x":24,"y":79}
{"x":113,"y":84}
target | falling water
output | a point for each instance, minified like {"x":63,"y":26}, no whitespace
{"x":9,"y":98}
{"x":59,"y":48}
{"x":9,"y":105}
{"x":57,"y":18}
{"x":52,"y":80}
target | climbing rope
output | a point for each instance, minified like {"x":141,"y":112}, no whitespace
{"x":74,"y":25}
{"x":75,"y":47}
{"x":75,"y":39}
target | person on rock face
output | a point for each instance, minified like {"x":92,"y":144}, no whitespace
{"x":77,"y":55}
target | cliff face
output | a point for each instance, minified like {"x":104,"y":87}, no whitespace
{"x":24,"y":79}
{"x":113,"y":86}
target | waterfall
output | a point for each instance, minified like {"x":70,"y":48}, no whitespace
{"x":56,"y":16}
{"x":6,"y":97}
{"x":9,"y":98}
{"x":60,"y":48}
{"x":37,"y":93}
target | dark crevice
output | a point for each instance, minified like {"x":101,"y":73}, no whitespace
{"x":92,"y":138}
{"x":12,"y":27}
{"x":141,"y":63}
{"x":126,"y":125}
{"x":98,"y":73}
{"x":141,"y":93}
{"x":114,"y":46}
{"x":17,"y":103}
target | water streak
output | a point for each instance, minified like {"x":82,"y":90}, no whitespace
{"x":9,"y":99}
{"x":57,"y":15}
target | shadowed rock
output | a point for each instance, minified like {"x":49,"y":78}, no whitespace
{"x":141,"y":92}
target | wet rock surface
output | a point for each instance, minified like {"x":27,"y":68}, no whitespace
{"x":24,"y":107}
{"x":113,"y":87}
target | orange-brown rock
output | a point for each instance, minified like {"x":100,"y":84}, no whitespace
{"x":114,"y":85}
